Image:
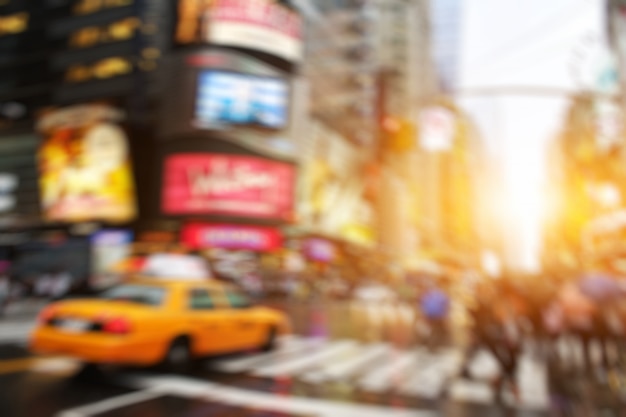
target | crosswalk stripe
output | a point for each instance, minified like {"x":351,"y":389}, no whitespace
{"x":431,"y":375}
{"x":17,"y":335}
{"x":533,"y":383}
{"x":391,"y":373}
{"x":291,"y":367}
{"x":287,"y":349}
{"x":345,"y":369}
{"x":8,"y":329}
{"x":471,"y":391}
{"x":484,"y":365}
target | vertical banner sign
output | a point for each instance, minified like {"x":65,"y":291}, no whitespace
{"x":84,"y":166}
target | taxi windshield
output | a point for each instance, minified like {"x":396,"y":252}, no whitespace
{"x":141,"y":294}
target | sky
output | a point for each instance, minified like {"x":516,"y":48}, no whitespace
{"x":518,"y":62}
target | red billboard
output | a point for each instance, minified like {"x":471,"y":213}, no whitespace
{"x":233,"y":185}
{"x":225,"y":236}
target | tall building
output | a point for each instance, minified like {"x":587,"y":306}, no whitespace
{"x":445,"y":17}
{"x":340,"y":68}
{"x":369,"y":62}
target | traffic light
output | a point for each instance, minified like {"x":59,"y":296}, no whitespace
{"x":398,"y":134}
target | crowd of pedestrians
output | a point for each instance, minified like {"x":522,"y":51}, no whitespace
{"x":548,"y":316}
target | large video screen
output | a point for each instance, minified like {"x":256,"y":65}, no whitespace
{"x":229,"y":98}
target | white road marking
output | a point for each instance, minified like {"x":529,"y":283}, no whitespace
{"x":248,"y":362}
{"x":431,"y":374}
{"x":296,"y":365}
{"x":16,"y":331}
{"x":342,"y":370}
{"x":484,"y":365}
{"x":532,"y":380}
{"x":471,"y":391}
{"x":63,"y":366}
{"x":393,"y":372}
{"x":111,"y":404}
{"x":416,"y":373}
{"x":295,"y":405}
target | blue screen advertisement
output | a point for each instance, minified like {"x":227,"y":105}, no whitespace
{"x":226,"y":98}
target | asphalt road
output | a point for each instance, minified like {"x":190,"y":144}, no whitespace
{"x":361,"y":364}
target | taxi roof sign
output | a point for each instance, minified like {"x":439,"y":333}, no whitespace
{"x":181,"y":267}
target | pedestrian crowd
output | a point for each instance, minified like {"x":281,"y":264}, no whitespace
{"x":549,"y":316}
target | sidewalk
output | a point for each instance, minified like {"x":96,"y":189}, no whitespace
{"x":26,"y":309}
{"x":19,"y":320}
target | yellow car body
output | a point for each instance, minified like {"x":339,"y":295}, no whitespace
{"x":208,"y":316}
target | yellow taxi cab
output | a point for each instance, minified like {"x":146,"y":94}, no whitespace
{"x":148,"y":321}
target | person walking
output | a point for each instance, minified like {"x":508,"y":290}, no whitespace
{"x":435,"y":308}
{"x":509,"y":314}
{"x":579,"y":314}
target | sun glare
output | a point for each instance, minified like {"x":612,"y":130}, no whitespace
{"x":524,"y":203}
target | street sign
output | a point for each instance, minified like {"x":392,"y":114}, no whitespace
{"x":437,"y":127}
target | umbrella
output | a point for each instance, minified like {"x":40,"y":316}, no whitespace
{"x":600,"y":287}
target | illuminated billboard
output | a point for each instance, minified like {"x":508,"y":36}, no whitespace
{"x":228,"y":98}
{"x":231,"y":237}
{"x":261,"y":25}
{"x":233,"y":185}
{"x":84,"y":166}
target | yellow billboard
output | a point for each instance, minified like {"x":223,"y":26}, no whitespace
{"x":84,"y":165}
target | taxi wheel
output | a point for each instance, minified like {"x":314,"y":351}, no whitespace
{"x":178,"y":357}
{"x":270,"y":340}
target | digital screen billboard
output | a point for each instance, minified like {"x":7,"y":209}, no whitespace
{"x":230,"y":98}
{"x":84,"y":165}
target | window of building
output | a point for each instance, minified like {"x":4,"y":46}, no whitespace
{"x":114,"y":32}
{"x":14,"y":23}
{"x":103,"y":69}
{"x":92,"y":6}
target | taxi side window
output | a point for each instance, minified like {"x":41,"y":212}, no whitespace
{"x":237,"y":299}
{"x":200,"y":299}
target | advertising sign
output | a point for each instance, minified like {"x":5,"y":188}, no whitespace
{"x":84,"y":166}
{"x":239,"y":237}
{"x":109,"y":248}
{"x":201,"y":183}
{"x":228,"y":98}
{"x":437,"y":127}
{"x":332,"y":198}
{"x":262,"y":25}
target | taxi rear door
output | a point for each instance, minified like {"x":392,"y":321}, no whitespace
{"x":249,"y":330}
